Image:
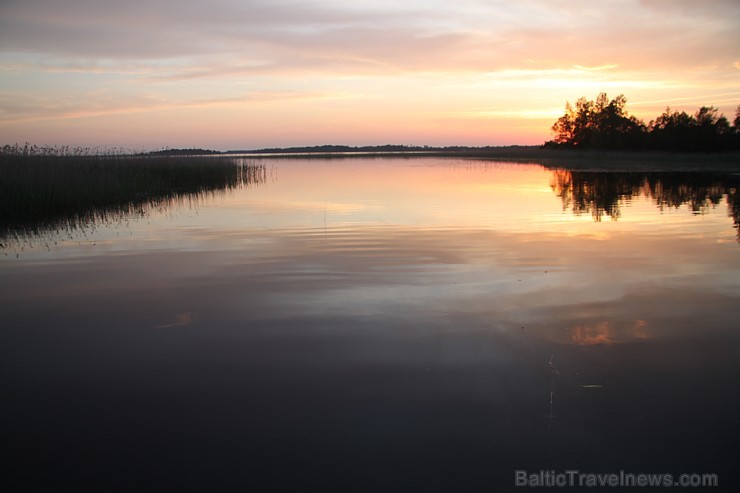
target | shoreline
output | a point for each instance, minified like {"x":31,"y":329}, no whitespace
{"x":571,"y":159}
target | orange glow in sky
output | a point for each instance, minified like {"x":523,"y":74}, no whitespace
{"x":230,"y":74}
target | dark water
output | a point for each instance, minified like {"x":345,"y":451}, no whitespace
{"x":379,"y":325}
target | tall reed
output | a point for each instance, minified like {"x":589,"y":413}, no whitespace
{"x":42,"y":191}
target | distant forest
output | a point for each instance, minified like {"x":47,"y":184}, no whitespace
{"x":605,"y":124}
{"x":338,"y":149}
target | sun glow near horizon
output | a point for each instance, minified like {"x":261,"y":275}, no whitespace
{"x":261,"y":74}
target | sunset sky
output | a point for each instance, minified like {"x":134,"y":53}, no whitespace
{"x":229,"y":74}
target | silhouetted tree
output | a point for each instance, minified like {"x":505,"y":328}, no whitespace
{"x":565,"y":127}
{"x":601,"y":124}
{"x":672,"y":131}
{"x":605,"y":124}
{"x":713,"y":129}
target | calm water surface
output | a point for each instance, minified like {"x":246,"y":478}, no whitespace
{"x":379,"y":325}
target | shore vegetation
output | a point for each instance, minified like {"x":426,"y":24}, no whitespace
{"x":44,"y":188}
{"x":606,"y":124}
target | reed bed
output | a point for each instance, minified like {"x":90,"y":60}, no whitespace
{"x":44,"y":191}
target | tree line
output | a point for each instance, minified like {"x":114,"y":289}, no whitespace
{"x":605,"y":124}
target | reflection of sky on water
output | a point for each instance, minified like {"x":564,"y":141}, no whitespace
{"x":504,"y":280}
{"x":414,"y":239}
{"x":365,"y":315}
{"x":414,"y":193}
{"x":417,"y":238}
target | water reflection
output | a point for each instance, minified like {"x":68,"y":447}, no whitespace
{"x":605,"y":332}
{"x":351,"y":192}
{"x":419,"y":325}
{"x":604,"y":193}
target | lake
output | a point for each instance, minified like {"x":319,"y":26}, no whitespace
{"x":378,"y":324}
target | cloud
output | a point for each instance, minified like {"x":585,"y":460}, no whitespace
{"x":34,"y":107}
{"x":418,"y":36}
{"x":164,"y":29}
{"x":690,"y":8}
